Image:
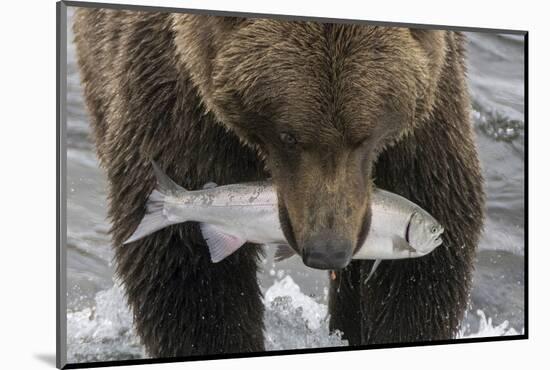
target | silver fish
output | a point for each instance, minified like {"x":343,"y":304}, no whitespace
{"x":232,"y":215}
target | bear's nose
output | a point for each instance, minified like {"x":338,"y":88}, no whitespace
{"x":326,"y":251}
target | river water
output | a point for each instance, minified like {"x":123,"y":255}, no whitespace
{"x":98,"y":319}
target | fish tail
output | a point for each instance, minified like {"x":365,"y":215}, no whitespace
{"x":155,"y":218}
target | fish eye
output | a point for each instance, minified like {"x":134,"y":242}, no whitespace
{"x":433,"y":230}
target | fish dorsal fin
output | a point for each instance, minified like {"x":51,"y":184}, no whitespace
{"x":220,"y":244}
{"x":164,"y":183}
{"x":373,"y":269}
{"x":210,"y":185}
{"x":283,"y":252}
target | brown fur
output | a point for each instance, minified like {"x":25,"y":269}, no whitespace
{"x":209,"y":98}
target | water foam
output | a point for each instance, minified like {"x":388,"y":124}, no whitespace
{"x":486,"y":328}
{"x":496,"y":125}
{"x":104,"y":331}
{"x":293,"y":320}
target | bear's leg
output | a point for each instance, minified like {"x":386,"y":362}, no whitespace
{"x":184,"y":304}
{"x":144,"y":106}
{"x":425,"y":298}
{"x":415,"y":300}
{"x":404,"y":301}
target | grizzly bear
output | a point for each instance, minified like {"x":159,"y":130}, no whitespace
{"x":328,"y":111}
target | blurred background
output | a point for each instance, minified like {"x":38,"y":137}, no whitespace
{"x":99,"y":323}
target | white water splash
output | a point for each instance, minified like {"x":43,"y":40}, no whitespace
{"x":103,"y":332}
{"x":292,"y":319}
{"x":486,"y":328}
{"x":287,"y":290}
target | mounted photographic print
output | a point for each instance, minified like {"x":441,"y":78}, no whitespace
{"x":235,"y":185}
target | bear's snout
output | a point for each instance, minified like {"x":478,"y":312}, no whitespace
{"x":327,"y":251}
{"x":324,"y":204}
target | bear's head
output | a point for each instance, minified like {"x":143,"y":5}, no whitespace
{"x":319,"y":102}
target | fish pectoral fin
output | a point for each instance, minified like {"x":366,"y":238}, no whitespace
{"x":372,"y":270}
{"x":220,"y":244}
{"x":283,"y":252}
{"x":401,"y":245}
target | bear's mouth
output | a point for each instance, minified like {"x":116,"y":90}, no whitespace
{"x":364,"y":230}
{"x":288,"y":231}
{"x":286,"y":226}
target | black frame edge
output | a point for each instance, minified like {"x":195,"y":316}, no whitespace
{"x":289,"y":352}
{"x":61,"y":80}
{"x":287,"y":17}
{"x":526,"y":181}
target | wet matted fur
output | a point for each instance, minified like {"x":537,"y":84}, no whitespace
{"x":217,"y":99}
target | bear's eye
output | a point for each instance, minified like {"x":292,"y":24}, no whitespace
{"x":287,"y":139}
{"x":362,"y":142}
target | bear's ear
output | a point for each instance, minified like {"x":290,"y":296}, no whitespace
{"x":432,"y":41}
